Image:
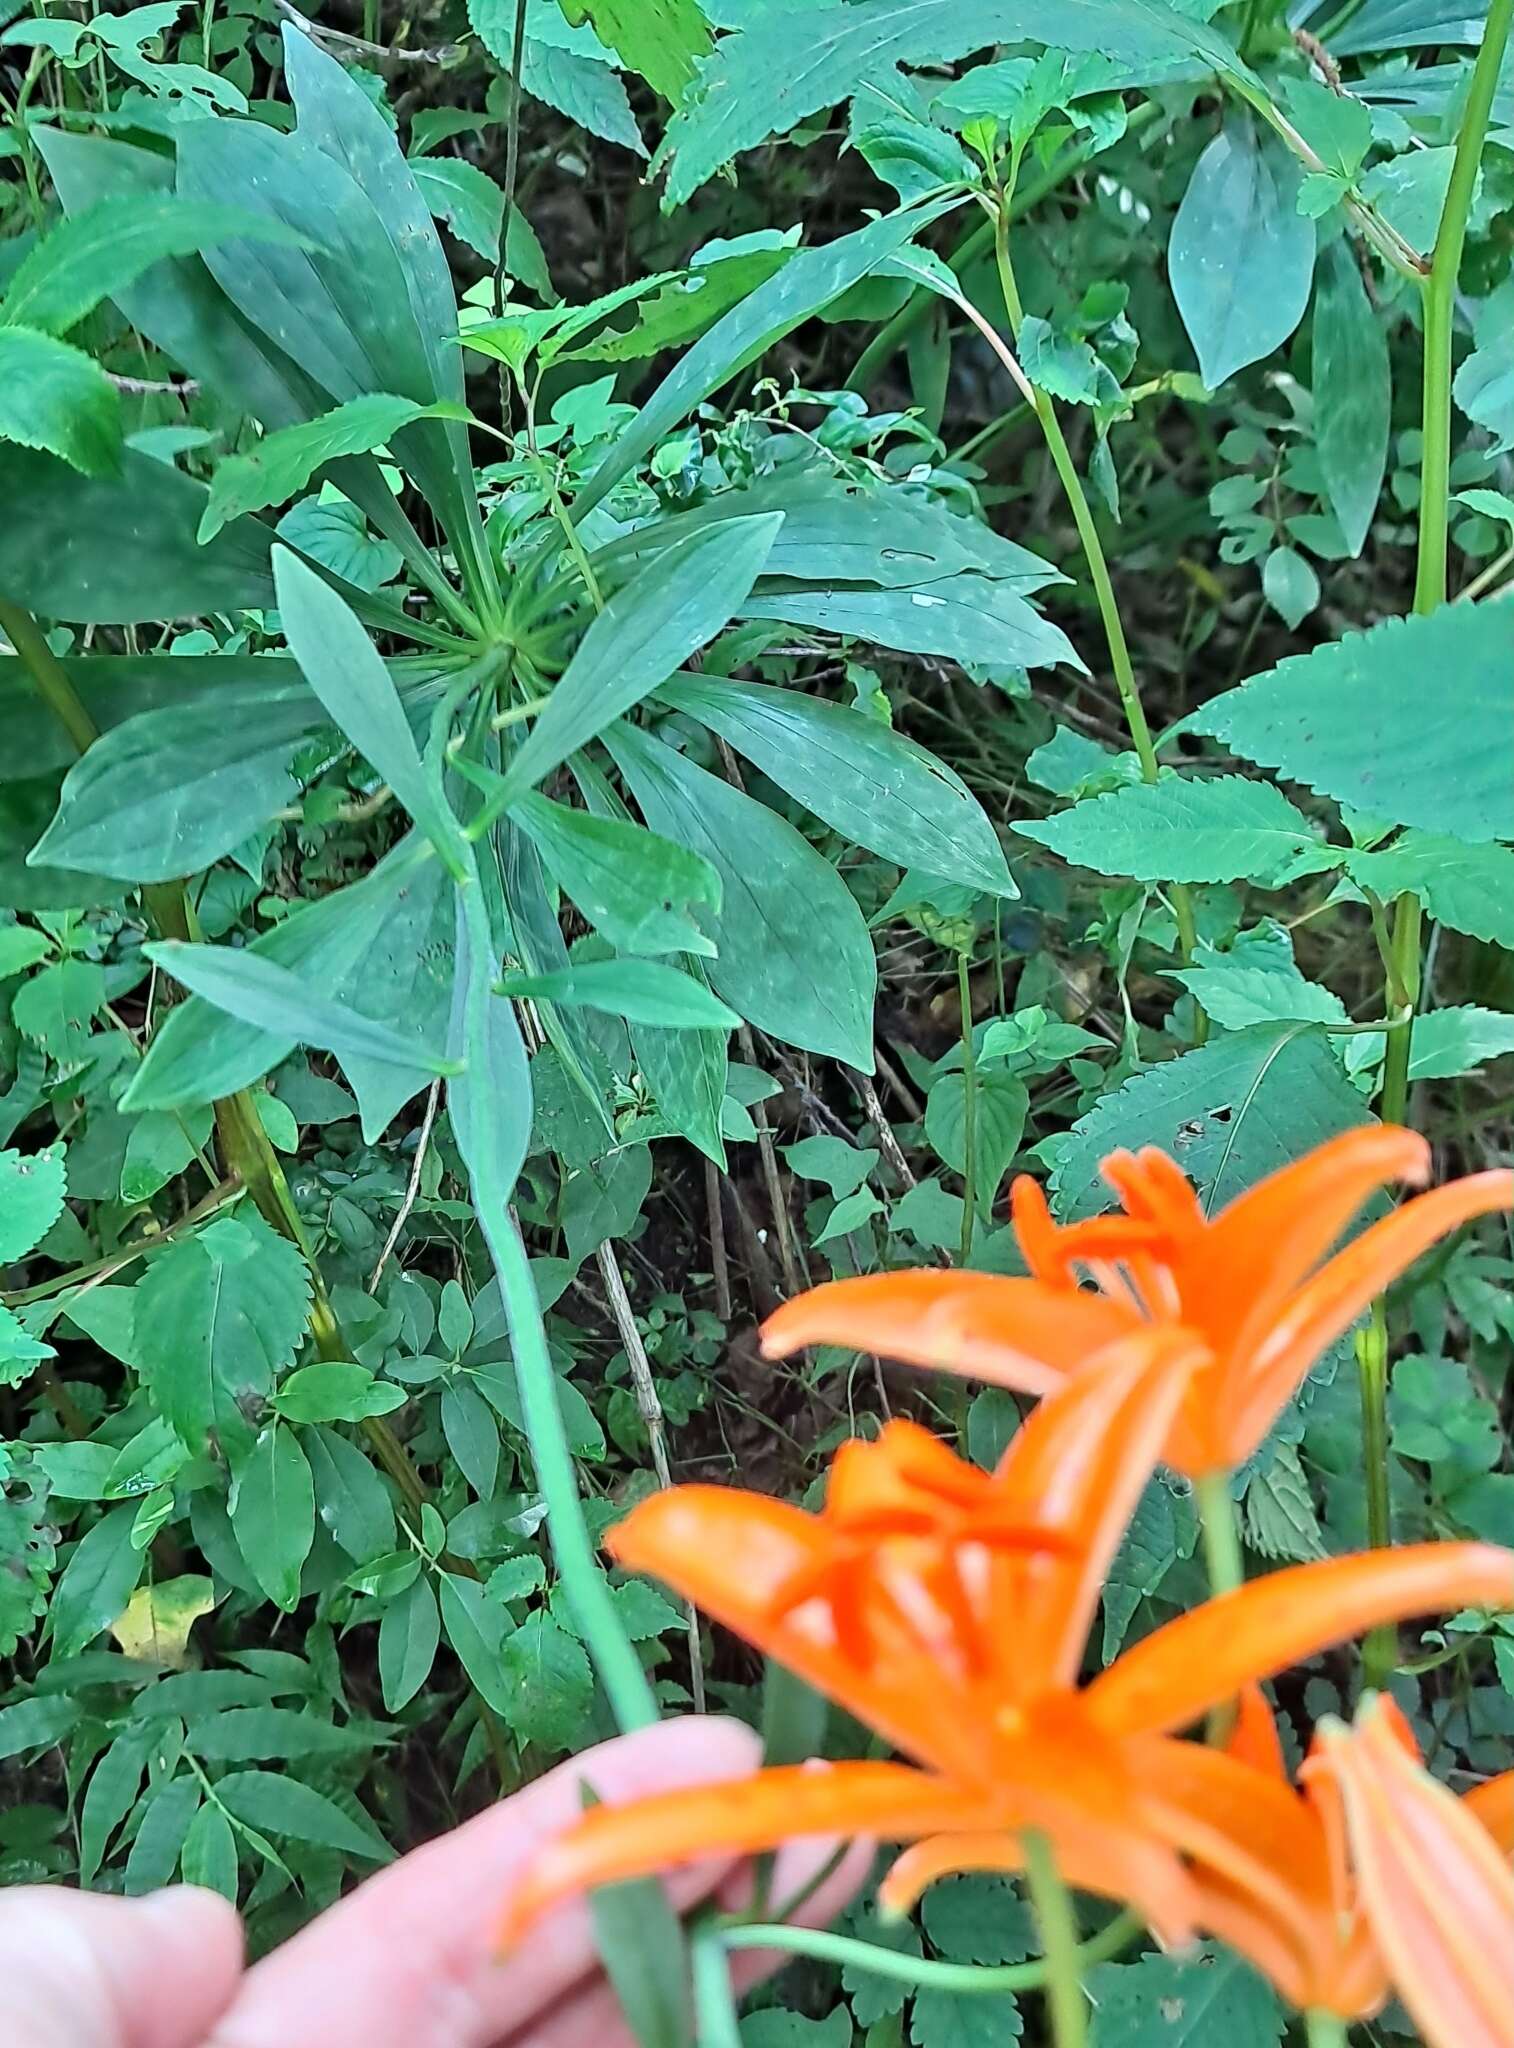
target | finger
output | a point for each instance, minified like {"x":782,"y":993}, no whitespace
{"x":591,"y":2016}
{"x":409,"y":1961}
{"x":82,"y":1970}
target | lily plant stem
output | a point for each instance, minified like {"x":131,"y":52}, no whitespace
{"x":1052,"y":1904}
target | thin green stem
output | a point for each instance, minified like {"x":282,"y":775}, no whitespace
{"x":1103,"y":587}
{"x":1380,"y":1649}
{"x":925,"y":1974}
{"x":1052,"y":1904}
{"x":715,"y":2021}
{"x":48,"y":674}
{"x":1222,"y":1539}
{"x":969,"y":1111}
{"x":1325,"y":2029}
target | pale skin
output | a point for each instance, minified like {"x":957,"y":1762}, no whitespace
{"x":408,"y":1959}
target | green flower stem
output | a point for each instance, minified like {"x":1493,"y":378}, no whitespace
{"x":1325,"y":2029}
{"x":1103,"y":587}
{"x":1403,"y":964}
{"x":1052,"y":1904}
{"x":924,"y":1974}
{"x":1222,"y":1541}
{"x":584,"y":1584}
{"x":969,"y":1112}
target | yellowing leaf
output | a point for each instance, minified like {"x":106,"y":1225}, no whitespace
{"x":155,"y":1626}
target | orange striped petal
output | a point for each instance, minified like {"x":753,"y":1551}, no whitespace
{"x":1092,"y":1855}
{"x":1078,"y":1466}
{"x":1493,"y":1805}
{"x":1017,"y":1333}
{"x":1270,"y":1238}
{"x":738,"y":1556}
{"x":1328,"y":1304}
{"x":1438,"y":1893}
{"x":739,"y":1816}
{"x":1175,"y":1674}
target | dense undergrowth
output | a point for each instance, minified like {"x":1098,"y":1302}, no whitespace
{"x":953,"y":621}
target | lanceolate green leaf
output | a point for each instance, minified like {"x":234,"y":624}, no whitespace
{"x":1353,"y":392}
{"x":1181,"y":829}
{"x":968,"y":617}
{"x":1353,"y":720}
{"x":273,"y":1513}
{"x":271,"y":998}
{"x":217,"y":1316}
{"x":878,"y":788}
{"x":96,"y":1583}
{"x":677,"y":604}
{"x":642,"y":991}
{"x":1242,"y":256}
{"x":93,"y":255}
{"x":635,"y":888}
{"x":811,"y":280}
{"x":795,"y":958}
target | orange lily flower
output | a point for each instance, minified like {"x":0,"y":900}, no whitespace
{"x":1271,"y":1866}
{"x":947,"y":1608}
{"x":1435,"y":1880}
{"x":1254,"y":1286}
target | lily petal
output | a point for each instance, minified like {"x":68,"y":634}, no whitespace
{"x":1328,"y":1304}
{"x":1438,"y":1892}
{"x":1493,"y":1804}
{"x":740,"y":1816}
{"x":1015,"y":1333}
{"x":1174,"y":1675}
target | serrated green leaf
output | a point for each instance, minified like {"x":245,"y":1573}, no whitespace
{"x":32,"y":1187}
{"x":1229,"y":1113}
{"x":54,"y":1008}
{"x":1181,"y":829}
{"x":1349,"y":720}
{"x":56,"y":399}
{"x":472,"y":205}
{"x":1470,"y":888}
{"x":975,"y":1919}
{"x":1279,"y":1512}
{"x":549,"y":1683}
{"x":215,"y":1318}
{"x":964,"y":2019}
{"x":283,"y":462}
{"x":1183,"y":2002}
{"x":1458,"y":1039}
{"x":662,"y":39}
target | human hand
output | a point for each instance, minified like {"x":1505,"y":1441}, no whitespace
{"x":407,"y":1960}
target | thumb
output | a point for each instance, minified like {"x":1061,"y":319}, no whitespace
{"x":84,"y":1970}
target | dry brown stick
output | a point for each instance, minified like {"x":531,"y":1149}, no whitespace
{"x":794,"y":1276}
{"x":412,"y":1188}
{"x":649,"y":1407}
{"x":892,"y":1150}
{"x":719,"y":1265}
{"x":442,"y":54}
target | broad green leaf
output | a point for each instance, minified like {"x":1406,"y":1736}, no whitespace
{"x":472,"y":205}
{"x":1350,"y":720}
{"x":1235,"y":994}
{"x":1229,"y":1113}
{"x":1290,"y":586}
{"x":350,"y":1497}
{"x":32,"y":1187}
{"x":1484,"y":388}
{"x":95,"y":1584}
{"x":763,"y":81}
{"x":209,"y":1855}
{"x":973,"y":1919}
{"x":795,"y":956}
{"x":334,"y":1390}
{"x":119,"y":550}
{"x":56,"y":399}
{"x":647,"y":630}
{"x":160,"y":1145}
{"x":809,"y":281}
{"x":383,"y":946}
{"x":588,"y":93}
{"x":1181,"y":829}
{"x":662,"y":39}
{"x":282,"y":463}
{"x":271,"y":998}
{"x":20,"y":1352}
{"x":1353,"y":392}
{"x":1062,"y":365}
{"x":216,"y":1317}
{"x":686,"y":1072}
{"x":1001,"y":1104}
{"x":641,"y":991}
{"x":476,"y":1627}
{"x":54,"y":1008}
{"x":868,"y":782}
{"x":1458,"y":1039}
{"x":635,"y":888}
{"x":472,"y":1435}
{"x":408,"y":1637}
{"x":283,"y":1806}
{"x":1408,"y":24}
{"x":549,"y":1683}
{"x":92,"y":255}
{"x":970,"y":618}
{"x":1188,"y":2001}
{"x":20,"y":948}
{"x":1470,"y":888}
{"x":168,"y":792}
{"x":341,"y":665}
{"x":1241,"y":258}
{"x":37,"y":1723}
{"x":963,"y":2019}
{"x":273,"y":1513}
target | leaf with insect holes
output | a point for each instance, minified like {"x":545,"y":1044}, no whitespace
{"x":32,"y":1187}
